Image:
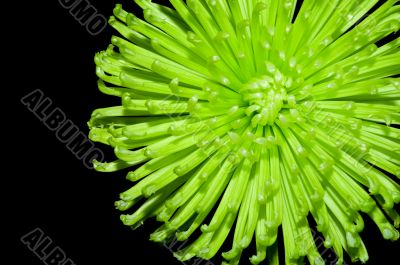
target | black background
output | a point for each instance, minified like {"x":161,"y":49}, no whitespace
{"x":53,"y":190}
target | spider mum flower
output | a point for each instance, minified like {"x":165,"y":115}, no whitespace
{"x":243,"y":113}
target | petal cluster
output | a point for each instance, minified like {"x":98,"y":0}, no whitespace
{"x":243,"y":117}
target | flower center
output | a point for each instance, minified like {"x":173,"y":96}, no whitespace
{"x":267,"y":96}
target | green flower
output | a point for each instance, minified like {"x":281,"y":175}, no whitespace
{"x":257,"y":118}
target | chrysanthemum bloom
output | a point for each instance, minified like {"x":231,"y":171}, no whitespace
{"x":242,"y":112}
